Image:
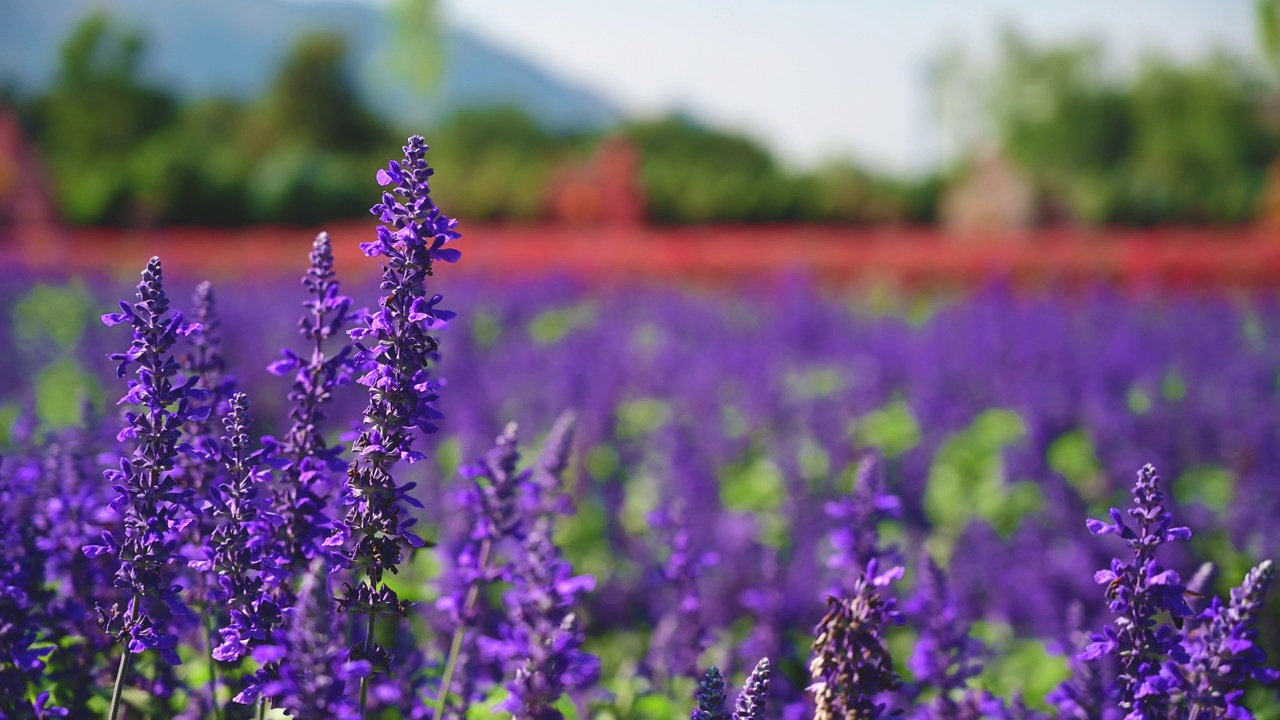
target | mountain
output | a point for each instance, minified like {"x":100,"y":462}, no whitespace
{"x":232,"y":47}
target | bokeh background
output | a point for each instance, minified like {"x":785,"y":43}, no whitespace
{"x":1015,"y":249}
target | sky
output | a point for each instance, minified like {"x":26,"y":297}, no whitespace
{"x":822,"y":79}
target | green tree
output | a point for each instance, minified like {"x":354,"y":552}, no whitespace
{"x":96,"y":114}
{"x":313,"y":101}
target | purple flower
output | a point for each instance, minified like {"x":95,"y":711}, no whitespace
{"x":711,"y":698}
{"x":394,"y":349}
{"x":303,"y":490}
{"x":854,"y":535}
{"x":1136,"y":591}
{"x":851,"y":665}
{"x":945,"y":656}
{"x":239,"y":550}
{"x":488,"y":502}
{"x":304,"y":671}
{"x":154,"y":507}
{"x":680,"y":636}
{"x":542,"y":644}
{"x":1224,"y":650}
{"x":752,"y":700}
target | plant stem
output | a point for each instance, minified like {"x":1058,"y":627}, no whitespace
{"x":455,"y":645}
{"x":118,"y":690}
{"x":213,"y":668}
{"x":262,"y":709}
{"x":364,"y":681}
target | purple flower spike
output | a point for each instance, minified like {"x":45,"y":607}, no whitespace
{"x":711,"y":697}
{"x":489,"y":503}
{"x":1224,"y":650}
{"x":154,"y":507}
{"x":542,"y":645}
{"x":751,"y":701}
{"x":945,"y":655}
{"x":1136,"y":592}
{"x":304,"y":489}
{"x":304,"y":671}
{"x":238,"y":550}
{"x":854,"y":535}
{"x":394,"y":349}
{"x":851,"y":665}
{"x":680,"y":636}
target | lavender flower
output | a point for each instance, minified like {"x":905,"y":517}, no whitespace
{"x":1225,"y":653}
{"x":395,"y":348}
{"x":303,"y":490}
{"x":1085,"y":695}
{"x":155,"y":508}
{"x":206,"y":362}
{"x":680,"y":636}
{"x":1136,"y":592}
{"x":304,"y":672}
{"x":489,"y":502}
{"x":542,"y":644}
{"x":851,"y":665}
{"x":945,"y":656}
{"x":711,"y":698}
{"x":751,"y":701}
{"x":544,"y":500}
{"x":239,"y":550}
{"x":855,"y":536}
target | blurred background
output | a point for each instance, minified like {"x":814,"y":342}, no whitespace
{"x":897,"y":141}
{"x":1017,"y":249}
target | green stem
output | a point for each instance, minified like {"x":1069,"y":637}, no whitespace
{"x":118,"y":690}
{"x":262,"y":709}
{"x":213,"y":667}
{"x":364,"y":681}
{"x":455,"y":645}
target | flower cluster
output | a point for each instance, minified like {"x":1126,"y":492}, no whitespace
{"x":394,"y":348}
{"x":851,"y":665}
{"x":240,"y":551}
{"x":1137,"y":590}
{"x":155,"y":507}
{"x":489,"y":503}
{"x":1225,"y":654}
{"x":304,"y":485}
{"x":945,"y":655}
{"x":680,"y":636}
{"x":855,"y":536}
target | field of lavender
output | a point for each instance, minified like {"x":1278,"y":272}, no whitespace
{"x":640,"y":500}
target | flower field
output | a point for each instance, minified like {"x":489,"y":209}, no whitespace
{"x":639,"y":502}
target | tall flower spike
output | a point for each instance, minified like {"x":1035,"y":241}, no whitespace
{"x":545,"y":498}
{"x":855,"y":536}
{"x":304,"y":672}
{"x":711,"y":698}
{"x":205,"y":361}
{"x":303,"y":491}
{"x":680,"y":636}
{"x":851,"y":665}
{"x":154,"y":507}
{"x":394,"y":348}
{"x":238,"y":550}
{"x":542,"y":645}
{"x":1084,"y":695}
{"x":752,"y":700}
{"x":1225,"y":653}
{"x":945,"y":656}
{"x":1136,"y":591}
{"x":489,"y":502}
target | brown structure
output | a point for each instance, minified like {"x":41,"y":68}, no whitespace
{"x":605,"y":190}
{"x":28,"y":212}
{"x":991,"y":200}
